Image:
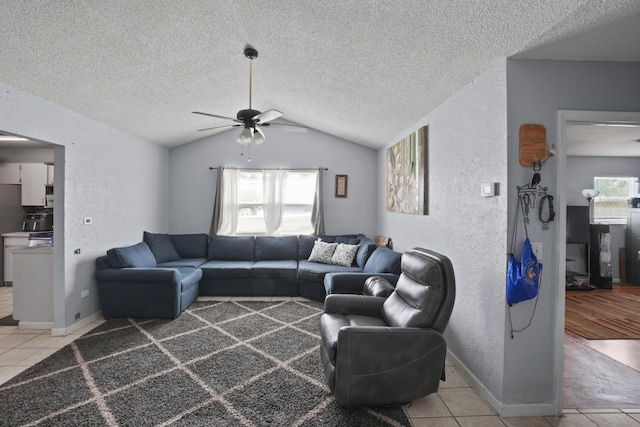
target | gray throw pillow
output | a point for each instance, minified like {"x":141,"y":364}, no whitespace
{"x":344,"y":254}
{"x":322,"y":252}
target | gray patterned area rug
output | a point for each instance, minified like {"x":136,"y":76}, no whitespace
{"x":217,"y":364}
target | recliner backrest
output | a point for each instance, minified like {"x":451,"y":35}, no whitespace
{"x":424,"y":294}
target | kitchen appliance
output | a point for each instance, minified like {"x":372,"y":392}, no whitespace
{"x":48,"y":191}
{"x":42,"y":221}
{"x":41,"y":238}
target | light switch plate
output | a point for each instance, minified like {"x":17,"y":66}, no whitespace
{"x":488,"y":189}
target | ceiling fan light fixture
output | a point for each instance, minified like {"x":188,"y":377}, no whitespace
{"x":258,"y":136}
{"x":245,"y":137}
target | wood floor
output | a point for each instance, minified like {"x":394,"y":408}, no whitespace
{"x":602,"y":373}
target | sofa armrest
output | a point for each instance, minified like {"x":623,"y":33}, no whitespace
{"x":352,"y":283}
{"x":139,"y":292}
{"x":353,"y":304}
{"x":139,"y":275}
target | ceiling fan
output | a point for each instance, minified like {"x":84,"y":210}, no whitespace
{"x":250,"y":119}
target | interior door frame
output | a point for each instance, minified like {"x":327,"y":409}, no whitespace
{"x":566,"y":117}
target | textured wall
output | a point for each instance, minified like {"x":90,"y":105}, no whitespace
{"x":537,"y":90}
{"x":192,"y":184}
{"x":467,"y":147}
{"x":117,"y":179}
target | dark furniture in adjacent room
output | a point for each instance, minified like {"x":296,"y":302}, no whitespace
{"x":382,"y":351}
{"x":633,"y":247}
{"x":600,"y":256}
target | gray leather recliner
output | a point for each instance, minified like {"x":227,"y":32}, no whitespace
{"x":381,"y":351}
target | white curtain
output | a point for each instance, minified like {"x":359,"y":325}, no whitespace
{"x":274,"y":189}
{"x":317,"y":216}
{"x":229,"y":205}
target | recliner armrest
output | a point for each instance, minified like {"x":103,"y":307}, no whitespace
{"x":353,"y":304}
{"x":352,"y":283}
{"x":404,"y":362}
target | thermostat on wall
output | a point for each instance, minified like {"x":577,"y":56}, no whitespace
{"x":488,"y":189}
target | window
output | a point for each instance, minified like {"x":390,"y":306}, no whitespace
{"x":271,"y":202}
{"x":612,"y":205}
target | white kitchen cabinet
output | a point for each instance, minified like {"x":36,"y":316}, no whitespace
{"x":9,"y":173}
{"x":33,"y":177}
{"x":15,"y":240}
{"x":33,"y":287}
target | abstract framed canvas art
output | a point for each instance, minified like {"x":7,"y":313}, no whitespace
{"x":407,"y":177}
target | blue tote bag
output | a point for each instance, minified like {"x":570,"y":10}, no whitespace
{"x":523,"y":275}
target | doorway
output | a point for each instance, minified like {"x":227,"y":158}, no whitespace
{"x":27,"y":150}
{"x":590,"y":365}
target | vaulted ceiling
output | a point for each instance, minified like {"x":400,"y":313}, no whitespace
{"x":362,"y":70}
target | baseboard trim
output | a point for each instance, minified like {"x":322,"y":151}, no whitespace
{"x":34,"y":325}
{"x":503,"y":409}
{"x":63,"y":332}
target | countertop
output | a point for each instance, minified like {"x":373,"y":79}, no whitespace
{"x":17,"y":234}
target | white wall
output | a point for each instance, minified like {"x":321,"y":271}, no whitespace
{"x":467,"y":147}
{"x":580,"y":173}
{"x":192,"y":185}
{"x":117,"y":179}
{"x":537,"y":90}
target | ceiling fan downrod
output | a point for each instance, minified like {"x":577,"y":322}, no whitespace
{"x":250,"y":53}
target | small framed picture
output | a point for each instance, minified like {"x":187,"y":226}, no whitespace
{"x":341,"y":185}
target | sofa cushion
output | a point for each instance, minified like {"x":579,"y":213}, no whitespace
{"x":275,"y":269}
{"x":161,"y":246}
{"x":226,"y":269}
{"x":367,"y":246}
{"x":183,"y":262}
{"x":190,"y":245}
{"x":305,"y":245}
{"x":349,"y":240}
{"x":383,"y":260}
{"x":232,"y":248}
{"x":344,"y":254}
{"x":135,"y":256}
{"x":276,"y":248}
{"x":322,"y":252}
{"x":315,"y":272}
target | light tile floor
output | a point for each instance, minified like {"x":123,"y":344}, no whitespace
{"x":456,"y":404}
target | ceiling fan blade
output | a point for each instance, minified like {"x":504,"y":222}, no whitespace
{"x":219,"y":127}
{"x":288,"y":127}
{"x":267,"y":116}
{"x":216,"y":116}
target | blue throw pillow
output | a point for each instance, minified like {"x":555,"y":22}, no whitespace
{"x":364,"y":252}
{"x":161,"y":246}
{"x":383,"y":260}
{"x":136,"y":256}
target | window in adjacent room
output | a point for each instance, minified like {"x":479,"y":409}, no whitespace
{"x":612,"y":205}
{"x":275,"y":202}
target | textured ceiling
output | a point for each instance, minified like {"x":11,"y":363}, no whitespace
{"x":361,"y":70}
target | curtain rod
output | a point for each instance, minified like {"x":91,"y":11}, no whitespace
{"x":272,"y":169}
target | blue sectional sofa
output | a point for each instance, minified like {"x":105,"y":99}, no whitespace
{"x":162,"y":275}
